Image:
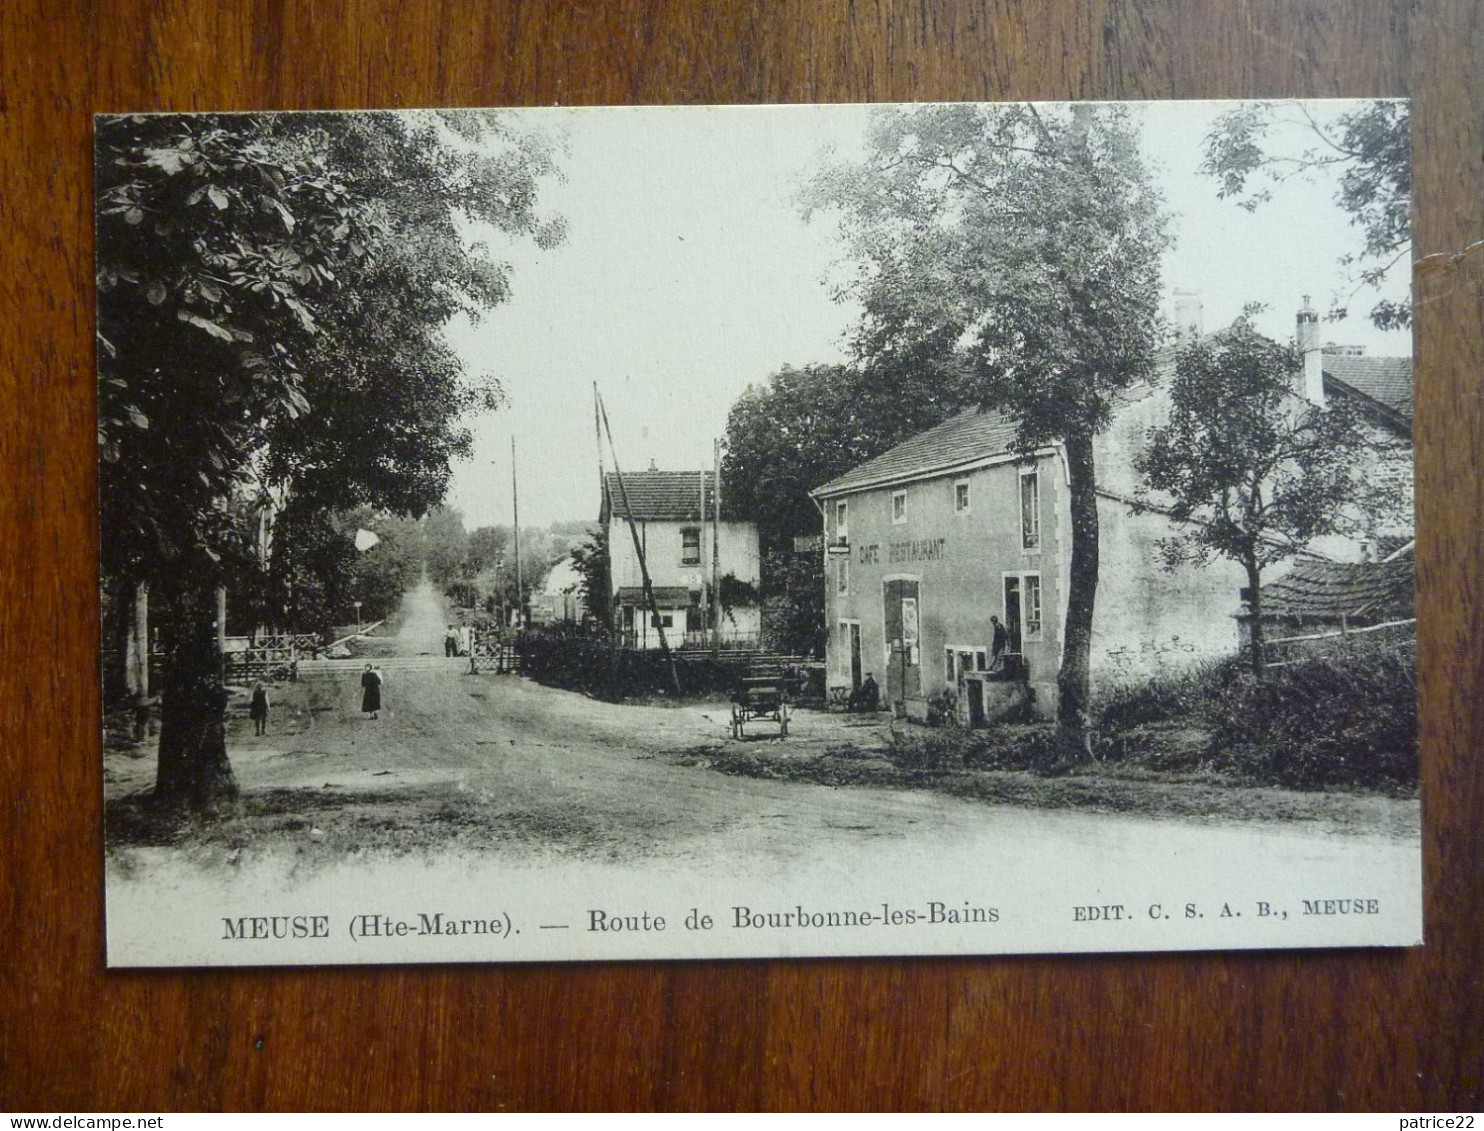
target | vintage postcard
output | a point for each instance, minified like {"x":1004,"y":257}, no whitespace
{"x":634,"y":533}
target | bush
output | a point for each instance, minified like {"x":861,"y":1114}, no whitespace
{"x":1346,"y":720}
{"x":576,"y":659}
{"x":1165,"y":697}
{"x":927,"y":753}
{"x":1022,"y":746}
{"x":1342,"y":718}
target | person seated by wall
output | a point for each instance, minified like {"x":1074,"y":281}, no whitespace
{"x":866,"y":697}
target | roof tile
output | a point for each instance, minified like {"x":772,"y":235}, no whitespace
{"x":658,"y":496}
{"x":1386,"y":380}
{"x":1357,"y":591}
{"x":974,"y":434}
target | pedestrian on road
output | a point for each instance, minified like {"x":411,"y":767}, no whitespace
{"x":371,"y":691}
{"x":258,"y":711}
{"x":450,"y":642}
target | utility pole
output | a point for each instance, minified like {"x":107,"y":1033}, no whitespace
{"x":520,"y":600}
{"x":611,"y":625}
{"x":715,"y":541}
{"x":700,"y":558}
{"x":598,"y":436}
{"x":649,"y":601}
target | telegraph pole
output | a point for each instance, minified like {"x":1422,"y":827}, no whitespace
{"x":520,"y":600}
{"x":706,"y":602}
{"x":649,"y":600}
{"x":715,"y":542}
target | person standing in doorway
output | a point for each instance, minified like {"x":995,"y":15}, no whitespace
{"x":998,"y":643}
{"x":371,"y":691}
{"x":258,"y":711}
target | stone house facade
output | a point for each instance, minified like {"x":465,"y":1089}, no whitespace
{"x":927,"y":542}
{"x":675,"y":531}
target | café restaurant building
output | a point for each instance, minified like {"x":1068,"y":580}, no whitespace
{"x":929,"y":541}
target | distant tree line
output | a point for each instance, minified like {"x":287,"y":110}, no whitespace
{"x":476,"y":568}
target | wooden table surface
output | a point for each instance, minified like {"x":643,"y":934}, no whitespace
{"x":1390,"y":1029}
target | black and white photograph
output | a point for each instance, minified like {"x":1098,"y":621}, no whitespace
{"x":817,"y":530}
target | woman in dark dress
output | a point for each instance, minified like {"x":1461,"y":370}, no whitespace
{"x":258,"y":711}
{"x":370,"y":691}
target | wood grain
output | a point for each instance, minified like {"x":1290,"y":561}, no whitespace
{"x":1396,"y":1030}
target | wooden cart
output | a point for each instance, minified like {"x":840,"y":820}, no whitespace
{"x":762,"y":694}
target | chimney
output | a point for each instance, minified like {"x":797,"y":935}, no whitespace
{"x":1189,"y":317}
{"x":1306,"y":339}
{"x":653,"y":466}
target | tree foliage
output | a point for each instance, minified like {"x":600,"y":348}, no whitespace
{"x":445,"y":546}
{"x":803,"y":427}
{"x":593,"y":564}
{"x":1370,"y":148}
{"x":795,"y":432}
{"x":1015,"y":250}
{"x":1249,"y":470}
{"x":272,"y":296}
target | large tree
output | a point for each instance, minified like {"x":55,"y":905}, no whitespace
{"x":1019,"y":247}
{"x":1249,"y":470}
{"x":1254,"y":148}
{"x":802,"y":427}
{"x":272,"y":296}
{"x":798,"y":430}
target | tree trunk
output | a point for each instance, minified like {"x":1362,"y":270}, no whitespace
{"x":1254,"y":623}
{"x":1074,"y":678}
{"x":139,"y":637}
{"x":118,"y":637}
{"x":193,"y":770}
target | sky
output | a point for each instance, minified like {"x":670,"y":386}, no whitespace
{"x":688,"y":274}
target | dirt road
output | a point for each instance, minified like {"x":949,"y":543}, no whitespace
{"x":498,"y":764}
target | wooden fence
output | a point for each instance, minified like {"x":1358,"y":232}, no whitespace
{"x":1389,"y":635}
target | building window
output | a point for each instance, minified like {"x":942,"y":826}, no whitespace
{"x":909,"y":629}
{"x":690,"y":545}
{"x":664,"y":620}
{"x":1022,"y":609}
{"x":1030,"y":510}
{"x":961,"y":497}
{"x":899,"y":506}
{"x":842,"y":524}
{"x":842,"y":574}
{"x":1032,"y":606}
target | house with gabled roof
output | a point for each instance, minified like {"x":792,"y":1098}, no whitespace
{"x":674,"y":515}
{"x":934,"y":541}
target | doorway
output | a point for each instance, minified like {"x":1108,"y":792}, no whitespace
{"x":904,"y":654}
{"x":1012,"y":613}
{"x":855,"y":655}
